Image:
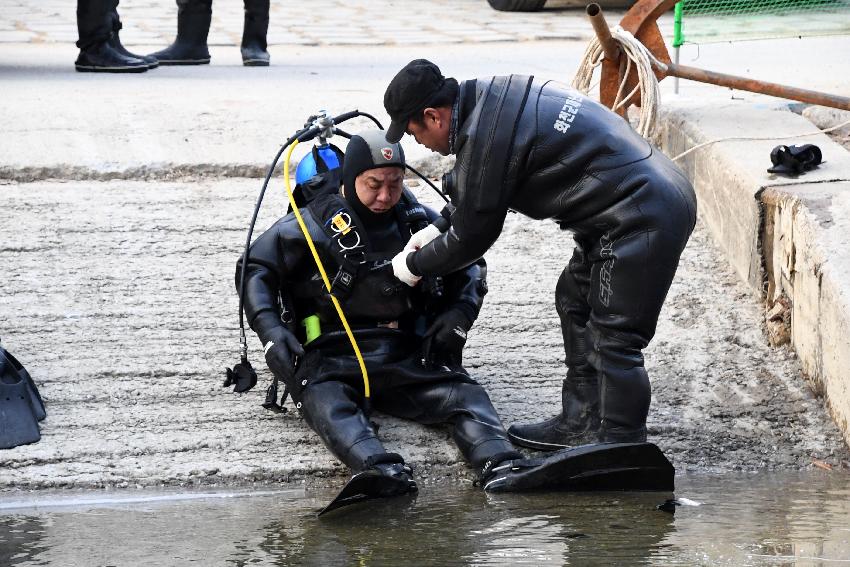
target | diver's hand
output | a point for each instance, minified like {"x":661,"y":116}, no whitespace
{"x":279,"y":346}
{"x":445,"y":339}
{"x":423,"y":237}
{"x":400,"y":269}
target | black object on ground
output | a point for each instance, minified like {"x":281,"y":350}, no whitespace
{"x":599,"y":467}
{"x":368,"y":485}
{"x":794,"y":160}
{"x":21,"y":406}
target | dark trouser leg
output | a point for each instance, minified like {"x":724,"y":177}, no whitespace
{"x":630,"y":278}
{"x":193,"y":26}
{"x":476,"y":428}
{"x":331,"y":410}
{"x":254,"y":46}
{"x":578,"y":421}
{"x":94,"y":21}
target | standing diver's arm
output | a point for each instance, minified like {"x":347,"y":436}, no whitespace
{"x":483,"y":178}
{"x":463,"y":295}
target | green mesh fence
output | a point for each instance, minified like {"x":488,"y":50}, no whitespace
{"x":706,"y":21}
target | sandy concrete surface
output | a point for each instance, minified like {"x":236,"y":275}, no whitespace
{"x":786,"y":236}
{"x":119,"y":298}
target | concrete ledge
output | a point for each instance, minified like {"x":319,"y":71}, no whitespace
{"x":788,"y":239}
{"x":432,"y":165}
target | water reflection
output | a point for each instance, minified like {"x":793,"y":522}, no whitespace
{"x":764,"y":519}
{"x":469,"y":528}
{"x":21,"y":539}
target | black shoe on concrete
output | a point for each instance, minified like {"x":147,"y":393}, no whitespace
{"x":103,"y":58}
{"x":254,"y":47}
{"x":115,"y":42}
{"x":182,"y":53}
{"x":190,"y":47}
{"x":255,"y":56}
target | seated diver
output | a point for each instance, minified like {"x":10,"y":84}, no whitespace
{"x":411,"y":339}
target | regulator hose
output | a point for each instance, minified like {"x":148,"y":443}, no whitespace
{"x":366,"y":391}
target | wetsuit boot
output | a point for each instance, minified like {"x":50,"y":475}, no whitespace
{"x":254,"y":46}
{"x":577,"y":424}
{"x":625,"y":396}
{"x":193,"y":26}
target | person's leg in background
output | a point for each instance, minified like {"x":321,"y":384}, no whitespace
{"x":254,"y":46}
{"x":193,"y":27}
{"x":95,"y":25}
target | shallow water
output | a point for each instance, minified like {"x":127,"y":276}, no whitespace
{"x":760,"y":519}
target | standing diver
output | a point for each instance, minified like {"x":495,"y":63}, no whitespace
{"x":547,"y":151}
{"x":411,"y":338}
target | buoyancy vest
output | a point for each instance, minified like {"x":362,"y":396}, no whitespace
{"x":362,"y":278}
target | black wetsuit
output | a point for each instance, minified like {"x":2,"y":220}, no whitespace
{"x":328,"y":387}
{"x":544,"y":150}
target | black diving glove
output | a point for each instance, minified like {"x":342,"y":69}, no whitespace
{"x":444,"y":340}
{"x":281,"y":347}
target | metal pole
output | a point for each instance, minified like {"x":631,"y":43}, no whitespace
{"x":676,"y":79}
{"x":678,"y":39}
{"x":600,"y":26}
{"x":762,"y":87}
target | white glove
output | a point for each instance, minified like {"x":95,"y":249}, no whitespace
{"x":423,"y":237}
{"x":400,"y":269}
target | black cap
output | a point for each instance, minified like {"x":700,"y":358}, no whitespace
{"x":409,"y":92}
{"x":369,"y":150}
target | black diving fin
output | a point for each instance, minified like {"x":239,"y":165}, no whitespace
{"x":598,"y":467}
{"x":35,"y":397}
{"x":368,"y":485}
{"x":18,"y":413}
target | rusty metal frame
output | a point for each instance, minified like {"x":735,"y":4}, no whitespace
{"x":640,"y":20}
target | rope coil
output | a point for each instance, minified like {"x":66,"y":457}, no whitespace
{"x":637,"y":56}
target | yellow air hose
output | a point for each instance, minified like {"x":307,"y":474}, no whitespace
{"x":366,"y":391}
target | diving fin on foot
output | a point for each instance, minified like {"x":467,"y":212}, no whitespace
{"x":599,"y":467}
{"x":368,"y":485}
{"x":18,"y":416}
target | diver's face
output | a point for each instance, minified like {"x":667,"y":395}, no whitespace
{"x":379,"y":189}
{"x":433,"y":130}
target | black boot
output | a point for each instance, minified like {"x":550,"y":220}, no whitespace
{"x":190,"y":46}
{"x":398,"y":479}
{"x":577,"y":424}
{"x":495,"y":465}
{"x":103,"y":58}
{"x":115,"y":43}
{"x":254,"y":46}
{"x":625,"y":397}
